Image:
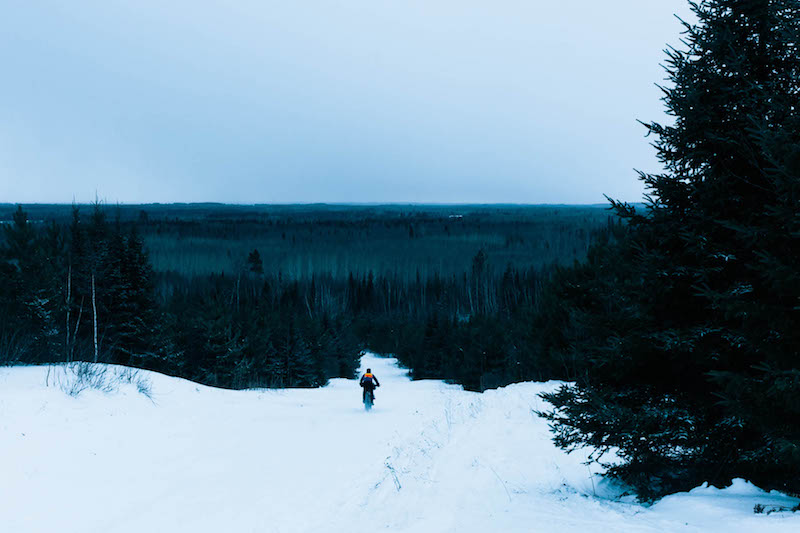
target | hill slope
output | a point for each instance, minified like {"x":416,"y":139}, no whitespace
{"x":430,"y":457}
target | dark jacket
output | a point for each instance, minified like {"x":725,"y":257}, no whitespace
{"x":369,"y":381}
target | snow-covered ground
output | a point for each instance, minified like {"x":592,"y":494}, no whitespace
{"x":429,"y":458}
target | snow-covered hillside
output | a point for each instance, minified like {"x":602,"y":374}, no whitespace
{"x":429,"y":458}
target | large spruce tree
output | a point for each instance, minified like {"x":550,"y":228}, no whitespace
{"x":690,"y":327}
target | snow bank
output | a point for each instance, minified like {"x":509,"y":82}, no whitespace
{"x":430,"y":457}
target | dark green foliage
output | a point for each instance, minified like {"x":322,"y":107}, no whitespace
{"x":247,"y":331}
{"x":254,"y":262}
{"x":691,"y":327}
{"x":302,"y":241}
{"x":48,"y":290}
{"x":29,"y":292}
{"x":456,"y":303}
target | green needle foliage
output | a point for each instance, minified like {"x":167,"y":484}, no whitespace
{"x":691,"y":326}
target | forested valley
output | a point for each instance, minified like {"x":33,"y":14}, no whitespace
{"x":289,"y":296}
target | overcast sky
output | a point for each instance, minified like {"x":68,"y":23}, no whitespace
{"x":521,"y":101}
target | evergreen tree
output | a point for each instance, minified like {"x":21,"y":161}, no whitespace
{"x":254,"y":262}
{"x":78,"y":297}
{"x":135,"y":318}
{"x":32,"y":300}
{"x":691,"y":327}
{"x":20,"y":236}
{"x":99,"y":278}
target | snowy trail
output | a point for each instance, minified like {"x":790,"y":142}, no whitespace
{"x":429,"y":458}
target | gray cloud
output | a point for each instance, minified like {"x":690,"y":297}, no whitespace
{"x":348,"y":101}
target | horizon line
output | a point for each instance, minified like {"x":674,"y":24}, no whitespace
{"x":311,"y":204}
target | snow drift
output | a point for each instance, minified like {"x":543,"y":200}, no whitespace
{"x":430,"y":457}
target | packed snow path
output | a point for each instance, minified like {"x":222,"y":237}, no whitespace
{"x":430,"y":457}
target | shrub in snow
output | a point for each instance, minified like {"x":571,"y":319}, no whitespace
{"x":75,"y":378}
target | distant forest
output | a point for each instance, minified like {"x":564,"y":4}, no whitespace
{"x":288,"y":296}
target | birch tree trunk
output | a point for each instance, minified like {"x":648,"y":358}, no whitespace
{"x":75,"y":332}
{"x":94,"y":313}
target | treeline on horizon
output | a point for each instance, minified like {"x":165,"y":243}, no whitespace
{"x":303,"y":240}
{"x":458,"y":302}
